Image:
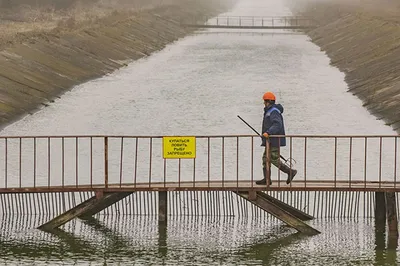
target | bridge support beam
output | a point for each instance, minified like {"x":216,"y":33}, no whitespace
{"x":385,"y":212}
{"x":380,"y":211}
{"x":162,"y":207}
{"x":286,"y":207}
{"x":391,"y":212}
{"x":85,"y":209}
{"x":103,"y":202}
{"x":280,"y":211}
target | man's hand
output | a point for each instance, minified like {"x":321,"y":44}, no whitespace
{"x":265,"y":135}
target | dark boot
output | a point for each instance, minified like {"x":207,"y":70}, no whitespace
{"x":264,"y":180}
{"x":287,"y":170}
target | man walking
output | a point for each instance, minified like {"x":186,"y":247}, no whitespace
{"x":273,"y":125}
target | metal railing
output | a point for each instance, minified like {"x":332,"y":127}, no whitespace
{"x":320,"y":204}
{"x":253,"y":21}
{"x":87,"y":163}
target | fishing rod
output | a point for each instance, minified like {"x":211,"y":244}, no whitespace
{"x":283,"y":158}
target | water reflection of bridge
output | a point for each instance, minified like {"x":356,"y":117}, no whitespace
{"x":127,"y":235}
{"x":252,"y":22}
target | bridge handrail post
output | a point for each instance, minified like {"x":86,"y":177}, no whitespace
{"x":268,"y":161}
{"x":106,"y":162}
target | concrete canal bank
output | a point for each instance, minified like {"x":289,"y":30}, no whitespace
{"x":362,"y":39}
{"x":41,"y":60}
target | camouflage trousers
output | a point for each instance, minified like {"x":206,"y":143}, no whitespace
{"x":275,"y":154}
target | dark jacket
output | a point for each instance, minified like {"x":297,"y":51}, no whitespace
{"x":273,"y":125}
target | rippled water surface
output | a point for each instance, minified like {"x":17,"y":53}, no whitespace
{"x":199,"y":84}
{"x":128,"y":240}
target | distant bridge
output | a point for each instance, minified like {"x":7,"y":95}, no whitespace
{"x":252,"y":22}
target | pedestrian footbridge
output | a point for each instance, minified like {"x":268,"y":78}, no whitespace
{"x":251,"y":22}
{"x":114,"y":167}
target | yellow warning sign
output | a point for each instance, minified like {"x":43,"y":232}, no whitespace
{"x":179,"y":147}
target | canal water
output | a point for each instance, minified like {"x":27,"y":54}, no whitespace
{"x":197,"y":86}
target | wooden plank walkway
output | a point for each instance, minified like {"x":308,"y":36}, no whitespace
{"x":310,"y":185}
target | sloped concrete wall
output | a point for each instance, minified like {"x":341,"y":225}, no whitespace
{"x":363,"y":41}
{"x":40,"y":66}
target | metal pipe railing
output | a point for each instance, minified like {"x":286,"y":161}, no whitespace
{"x":326,"y":162}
